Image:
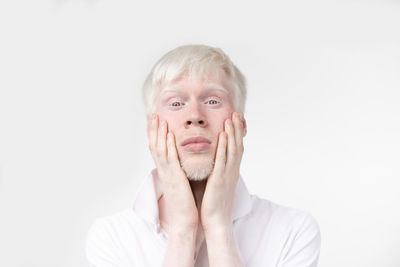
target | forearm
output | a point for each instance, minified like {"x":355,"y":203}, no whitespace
{"x":180,"y":250}
{"x":222,"y":247}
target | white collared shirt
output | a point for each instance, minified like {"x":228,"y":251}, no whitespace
{"x":268,"y":235}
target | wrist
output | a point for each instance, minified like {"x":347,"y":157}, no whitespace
{"x":218,"y":230}
{"x":222,"y":247}
{"x":181,"y":248}
{"x":182,"y":233}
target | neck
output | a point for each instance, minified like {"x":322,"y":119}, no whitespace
{"x":198,"y":188}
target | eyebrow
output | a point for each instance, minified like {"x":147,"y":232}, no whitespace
{"x":209,"y":86}
{"x":213,"y":86}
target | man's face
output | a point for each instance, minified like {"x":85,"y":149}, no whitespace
{"x":195,"y":111}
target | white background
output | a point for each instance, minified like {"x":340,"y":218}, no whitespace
{"x":323,"y":115}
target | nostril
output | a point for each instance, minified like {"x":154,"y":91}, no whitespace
{"x":200,"y":122}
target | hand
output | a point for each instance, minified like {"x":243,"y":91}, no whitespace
{"x":181,"y":206}
{"x":216,"y":207}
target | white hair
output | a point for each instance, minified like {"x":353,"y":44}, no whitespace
{"x":197,"y":171}
{"x":195,"y":61}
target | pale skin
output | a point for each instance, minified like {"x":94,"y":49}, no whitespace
{"x":191,"y":211}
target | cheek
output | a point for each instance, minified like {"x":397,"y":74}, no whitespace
{"x":219,"y":120}
{"x":173,"y":121}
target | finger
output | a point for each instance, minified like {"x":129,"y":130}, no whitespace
{"x":239,"y":130}
{"x":220,"y":157}
{"x":153,"y":126}
{"x":231,"y":149}
{"x":162,"y":141}
{"x":171,"y":149}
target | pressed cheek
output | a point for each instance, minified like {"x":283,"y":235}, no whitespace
{"x":221,"y":120}
{"x":171,"y":120}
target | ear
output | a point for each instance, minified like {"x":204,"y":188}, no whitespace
{"x":148,"y":128}
{"x":244,"y":125}
{"x":148,"y":120}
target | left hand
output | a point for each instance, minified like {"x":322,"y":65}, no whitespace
{"x":216,"y":207}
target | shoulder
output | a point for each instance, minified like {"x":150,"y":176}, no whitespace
{"x":111,"y":224}
{"x":280,"y":234}
{"x":283,"y":215}
{"x":283,"y":224}
{"x":123,"y":226}
{"x":107,"y":236}
{"x":295,"y":231}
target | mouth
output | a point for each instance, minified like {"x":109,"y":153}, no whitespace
{"x":197,"y":143}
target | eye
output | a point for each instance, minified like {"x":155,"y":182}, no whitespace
{"x":176,"y":104}
{"x":212,"y":102}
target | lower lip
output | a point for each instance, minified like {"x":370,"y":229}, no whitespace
{"x":196,"y":146}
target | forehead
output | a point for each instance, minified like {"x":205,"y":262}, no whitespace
{"x":186,"y":87}
{"x":187,"y":83}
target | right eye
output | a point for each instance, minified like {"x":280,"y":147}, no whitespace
{"x":176,"y":104}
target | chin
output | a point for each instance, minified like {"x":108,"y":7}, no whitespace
{"x":197,"y":169}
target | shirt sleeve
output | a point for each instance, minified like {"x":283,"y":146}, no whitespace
{"x":101,"y":251}
{"x":303,"y":244}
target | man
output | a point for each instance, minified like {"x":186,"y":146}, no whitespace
{"x":194,"y":208}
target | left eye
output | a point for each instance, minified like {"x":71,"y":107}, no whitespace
{"x":212,"y":102}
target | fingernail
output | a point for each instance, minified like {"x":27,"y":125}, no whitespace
{"x":153,"y":116}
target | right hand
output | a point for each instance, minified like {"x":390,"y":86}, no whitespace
{"x":181,"y":207}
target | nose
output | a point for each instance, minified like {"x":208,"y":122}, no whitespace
{"x":195,"y":117}
{"x":201,"y":123}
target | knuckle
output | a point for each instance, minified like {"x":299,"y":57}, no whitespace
{"x":241,"y":147}
{"x":222,"y":158}
{"x":162,"y":161}
{"x":151,"y":147}
{"x":219,"y":184}
{"x":158,"y":152}
{"x":170,"y":143}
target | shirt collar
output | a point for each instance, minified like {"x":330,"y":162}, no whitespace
{"x":146,"y":202}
